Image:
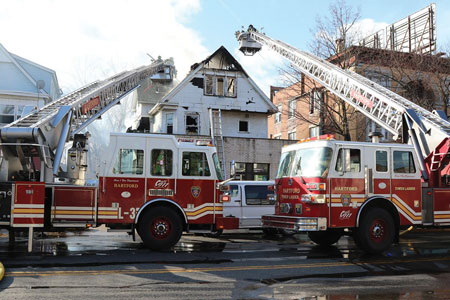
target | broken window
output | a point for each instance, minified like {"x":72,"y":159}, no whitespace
{"x":192,"y":124}
{"x":219,"y":86}
{"x":231,"y":87}
{"x":209,"y":85}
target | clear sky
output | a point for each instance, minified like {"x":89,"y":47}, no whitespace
{"x":86,"y":40}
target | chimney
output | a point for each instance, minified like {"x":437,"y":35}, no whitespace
{"x":375,"y":136}
{"x":340,"y":45}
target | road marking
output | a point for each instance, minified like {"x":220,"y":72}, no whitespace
{"x":216,"y":269}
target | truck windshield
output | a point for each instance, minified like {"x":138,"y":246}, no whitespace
{"x":217,"y":166}
{"x":308,"y":162}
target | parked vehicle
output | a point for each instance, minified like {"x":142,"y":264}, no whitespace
{"x":248,"y":201}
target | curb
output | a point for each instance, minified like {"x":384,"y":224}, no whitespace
{"x":2,"y":271}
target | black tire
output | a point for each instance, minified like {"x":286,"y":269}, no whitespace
{"x":160,"y":228}
{"x":215,"y":233}
{"x":270,"y":231}
{"x":325,"y":238}
{"x":376,"y":231}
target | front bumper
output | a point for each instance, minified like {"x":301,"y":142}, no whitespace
{"x":294,"y":223}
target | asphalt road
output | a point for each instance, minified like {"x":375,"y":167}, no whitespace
{"x":103,"y":265}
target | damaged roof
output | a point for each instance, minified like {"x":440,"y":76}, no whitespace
{"x":221,"y":59}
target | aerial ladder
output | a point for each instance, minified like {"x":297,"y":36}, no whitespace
{"x":33,"y":146}
{"x":428,"y":132}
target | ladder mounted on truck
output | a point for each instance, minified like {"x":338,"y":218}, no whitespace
{"x":43,"y":133}
{"x":425,"y":130}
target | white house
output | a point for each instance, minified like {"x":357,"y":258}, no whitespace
{"x":218,"y":82}
{"x":23,"y":83}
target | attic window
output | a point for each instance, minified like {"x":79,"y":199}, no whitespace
{"x":220,"y":86}
{"x":231,"y":87}
{"x":209,"y":85}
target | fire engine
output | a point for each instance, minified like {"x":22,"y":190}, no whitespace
{"x":153,"y":184}
{"x":372,"y":190}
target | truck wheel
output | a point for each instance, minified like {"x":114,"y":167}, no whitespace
{"x":325,"y":238}
{"x":160,"y":228}
{"x":376,"y":232}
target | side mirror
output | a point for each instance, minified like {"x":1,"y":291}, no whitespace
{"x":233,"y":169}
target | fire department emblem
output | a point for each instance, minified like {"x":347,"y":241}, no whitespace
{"x":195,"y":190}
{"x":345,"y":199}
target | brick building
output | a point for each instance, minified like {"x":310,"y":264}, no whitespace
{"x":306,"y":109}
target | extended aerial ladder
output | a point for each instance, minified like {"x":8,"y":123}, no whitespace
{"x":429,"y":132}
{"x":33,"y":145}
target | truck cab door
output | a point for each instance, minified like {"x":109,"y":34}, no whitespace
{"x":347,"y":185}
{"x":378,"y":171}
{"x":122,"y":188}
{"x":255,"y":204}
{"x":234,"y":206}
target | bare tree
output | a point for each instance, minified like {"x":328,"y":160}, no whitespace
{"x":333,"y":34}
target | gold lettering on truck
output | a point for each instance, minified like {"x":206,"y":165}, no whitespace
{"x":126,"y":185}
{"x":405,"y":188}
{"x":345,"y":188}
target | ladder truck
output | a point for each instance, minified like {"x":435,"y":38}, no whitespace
{"x":153,"y":184}
{"x":328,"y":188}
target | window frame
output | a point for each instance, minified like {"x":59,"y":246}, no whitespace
{"x":342,"y":153}
{"x":192,"y":115}
{"x":387,"y":160}
{"x":243,"y":131}
{"x":262,"y":201}
{"x":277,"y":119}
{"x":411,"y":159}
{"x":292,"y":108}
{"x":119,"y":158}
{"x":170,"y":162}
{"x":182,"y":169}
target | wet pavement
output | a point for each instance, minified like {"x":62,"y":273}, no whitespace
{"x":249,"y":265}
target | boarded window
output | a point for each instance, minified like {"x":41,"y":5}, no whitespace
{"x":161,"y":162}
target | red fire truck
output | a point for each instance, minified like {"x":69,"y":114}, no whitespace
{"x":371,"y":190}
{"x":154,"y":184}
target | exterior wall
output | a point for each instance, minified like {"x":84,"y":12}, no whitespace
{"x":251,"y":150}
{"x":246,"y":106}
{"x":254,"y":150}
{"x":18,"y":78}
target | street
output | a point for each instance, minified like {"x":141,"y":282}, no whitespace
{"x":242,"y":265}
